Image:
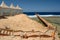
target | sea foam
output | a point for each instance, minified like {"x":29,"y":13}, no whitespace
{"x":43,"y":15}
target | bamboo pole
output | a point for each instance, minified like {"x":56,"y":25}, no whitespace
{"x":47,"y":24}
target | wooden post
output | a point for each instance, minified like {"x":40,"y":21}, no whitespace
{"x":54,"y":33}
{"x":47,"y":24}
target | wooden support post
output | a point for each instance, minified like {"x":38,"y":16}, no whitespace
{"x":54,"y":33}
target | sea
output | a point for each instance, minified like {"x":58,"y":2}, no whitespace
{"x":42,"y":14}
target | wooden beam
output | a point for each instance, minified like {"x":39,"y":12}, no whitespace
{"x":47,"y":24}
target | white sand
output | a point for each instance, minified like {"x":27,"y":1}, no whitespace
{"x":21,"y":22}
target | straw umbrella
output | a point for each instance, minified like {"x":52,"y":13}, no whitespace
{"x":4,"y":8}
{"x":18,"y":9}
{"x":12,"y":9}
{"x":0,"y":11}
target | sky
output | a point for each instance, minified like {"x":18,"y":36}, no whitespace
{"x":36,"y":5}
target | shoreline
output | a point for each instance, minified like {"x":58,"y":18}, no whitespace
{"x":44,"y":16}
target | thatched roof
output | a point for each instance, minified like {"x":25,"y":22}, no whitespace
{"x":12,"y":6}
{"x":3,"y":5}
{"x":17,"y":7}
